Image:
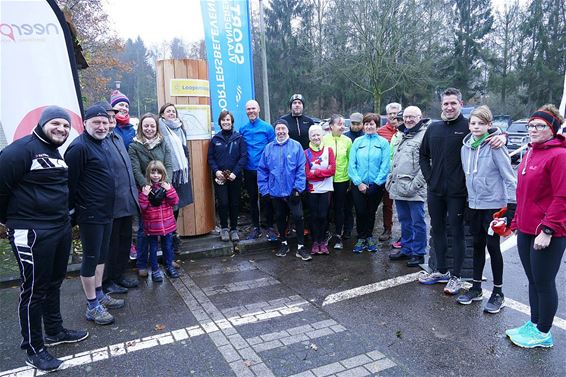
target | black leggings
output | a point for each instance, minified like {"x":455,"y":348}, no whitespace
{"x":339,"y":205}
{"x":479,"y":223}
{"x":228,"y":202}
{"x":282,"y":207}
{"x":250,"y":181}
{"x":318,"y":204}
{"x":96,"y":242}
{"x":366,"y":205}
{"x":541,"y":267}
{"x":438,"y":208}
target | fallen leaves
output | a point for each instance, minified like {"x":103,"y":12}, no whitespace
{"x":159,"y":327}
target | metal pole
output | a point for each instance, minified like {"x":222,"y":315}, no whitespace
{"x":264,"y":65}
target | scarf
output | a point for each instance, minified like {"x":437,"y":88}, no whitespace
{"x":477,"y":142}
{"x":122,"y":120}
{"x":173,"y":124}
{"x":152,"y":143}
{"x":179,"y":162}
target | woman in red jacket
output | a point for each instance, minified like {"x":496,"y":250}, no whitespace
{"x":157,"y":200}
{"x":540,"y":222}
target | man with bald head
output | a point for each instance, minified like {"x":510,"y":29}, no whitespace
{"x":407,"y":186}
{"x":257,"y":133}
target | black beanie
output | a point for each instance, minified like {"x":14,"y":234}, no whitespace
{"x":53,"y":112}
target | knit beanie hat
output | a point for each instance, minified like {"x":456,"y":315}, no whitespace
{"x":53,"y":112}
{"x":117,"y":97}
{"x":281,"y":121}
{"x":295,"y":97}
{"x":547,"y":117}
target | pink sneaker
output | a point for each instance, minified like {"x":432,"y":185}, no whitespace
{"x":315,"y":249}
{"x":323,"y":249}
{"x":396,"y":245}
{"x":133,"y":252}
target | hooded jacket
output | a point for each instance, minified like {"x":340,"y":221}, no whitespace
{"x":541,"y":189}
{"x":369,"y":160}
{"x":227,"y":152}
{"x":34,"y":189}
{"x":299,"y":128}
{"x":440,"y":159}
{"x":281,"y":169}
{"x":159,"y":220}
{"x":490,"y":180}
{"x":406,"y":181}
{"x":341,"y":146}
{"x":257,"y":135}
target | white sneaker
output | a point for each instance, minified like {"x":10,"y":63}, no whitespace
{"x":453,"y":286}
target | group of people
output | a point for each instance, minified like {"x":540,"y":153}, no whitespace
{"x":109,"y":175}
{"x":112,"y":173}
{"x":459,"y":167}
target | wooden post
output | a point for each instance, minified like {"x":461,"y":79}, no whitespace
{"x":197,"y":218}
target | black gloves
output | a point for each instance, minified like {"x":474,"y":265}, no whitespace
{"x":295,"y":197}
{"x":156,"y":196}
{"x":511,"y":207}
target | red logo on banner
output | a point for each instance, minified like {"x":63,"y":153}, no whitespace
{"x":29,"y":122}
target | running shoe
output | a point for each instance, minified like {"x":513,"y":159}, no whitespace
{"x":495,"y":303}
{"x":454,"y":286}
{"x":471,"y":295}
{"x":433,"y":277}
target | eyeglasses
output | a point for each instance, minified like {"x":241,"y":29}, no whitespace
{"x":538,"y":127}
{"x":410,"y":116}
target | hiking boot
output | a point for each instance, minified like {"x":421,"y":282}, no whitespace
{"x":495,"y":303}
{"x":111,"y":303}
{"x":532,"y":339}
{"x":283,"y":250}
{"x":433,"y":277}
{"x":526,"y":327}
{"x":172,"y":272}
{"x":453,"y":286}
{"x":324,"y":249}
{"x":359,"y":246}
{"x":371,"y":245}
{"x":471,"y":295}
{"x":157,"y":276}
{"x":338,"y":245}
{"x":415,"y":261}
{"x":254,"y":234}
{"x":398,"y":255}
{"x":386,"y":235}
{"x":271,"y":235}
{"x":303,"y":253}
{"x":99,"y":315}
{"x":43,"y":361}
{"x":142,"y":272}
{"x":224,"y":235}
{"x":315,"y":248}
{"x":65,"y":336}
{"x":133,"y":252}
{"x":234,"y":235}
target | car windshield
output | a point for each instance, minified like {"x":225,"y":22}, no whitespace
{"x":517,"y":127}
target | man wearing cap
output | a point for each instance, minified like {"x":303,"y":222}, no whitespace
{"x":388,"y":131}
{"x":281,"y":176}
{"x":299,"y":123}
{"x":124,"y":128}
{"x":91,"y":204}
{"x":33,"y":205}
{"x":257,"y":133}
{"x":125,"y":207}
{"x":356,"y":126}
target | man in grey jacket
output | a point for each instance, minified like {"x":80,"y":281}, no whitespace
{"x":407,"y":186}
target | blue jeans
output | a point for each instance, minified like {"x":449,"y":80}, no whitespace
{"x":413,"y":227}
{"x":166,"y":248}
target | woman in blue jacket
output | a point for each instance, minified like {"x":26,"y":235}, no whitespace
{"x":227,"y":157}
{"x":368,"y":167}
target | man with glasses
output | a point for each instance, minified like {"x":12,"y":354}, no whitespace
{"x":388,"y":131}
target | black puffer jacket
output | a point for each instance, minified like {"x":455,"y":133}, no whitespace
{"x":33,"y":184}
{"x":299,"y":128}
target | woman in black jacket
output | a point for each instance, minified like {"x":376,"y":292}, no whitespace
{"x":227,"y":156}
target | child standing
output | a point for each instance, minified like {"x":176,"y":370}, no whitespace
{"x":491,"y":185}
{"x":157,"y":200}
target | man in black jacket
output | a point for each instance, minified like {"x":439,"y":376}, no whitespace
{"x":299,"y":124}
{"x":441,"y":166}
{"x":33,"y":205}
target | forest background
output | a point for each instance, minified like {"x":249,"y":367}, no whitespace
{"x":359,"y":55}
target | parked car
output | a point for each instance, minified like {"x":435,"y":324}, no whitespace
{"x":502,"y":122}
{"x":467,"y":110}
{"x":517,"y":136}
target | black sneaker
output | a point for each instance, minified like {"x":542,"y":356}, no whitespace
{"x":495,"y":303}
{"x":114,"y":288}
{"x":43,"y":361}
{"x":471,"y":295}
{"x":415,"y":261}
{"x":303,"y":253}
{"x":65,"y":336}
{"x":283,"y":250}
{"x":172,"y":272}
{"x":128,"y":282}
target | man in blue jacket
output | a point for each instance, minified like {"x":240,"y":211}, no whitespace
{"x":281,"y":176}
{"x":257,"y":133}
{"x":33,"y":205}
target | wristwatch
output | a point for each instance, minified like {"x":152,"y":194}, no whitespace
{"x":547,"y":231}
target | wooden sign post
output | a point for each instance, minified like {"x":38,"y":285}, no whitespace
{"x":197,"y":218}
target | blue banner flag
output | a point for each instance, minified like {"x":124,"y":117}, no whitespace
{"x":229,"y":53}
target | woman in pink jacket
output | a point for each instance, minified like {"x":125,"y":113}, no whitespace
{"x":540,"y":222}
